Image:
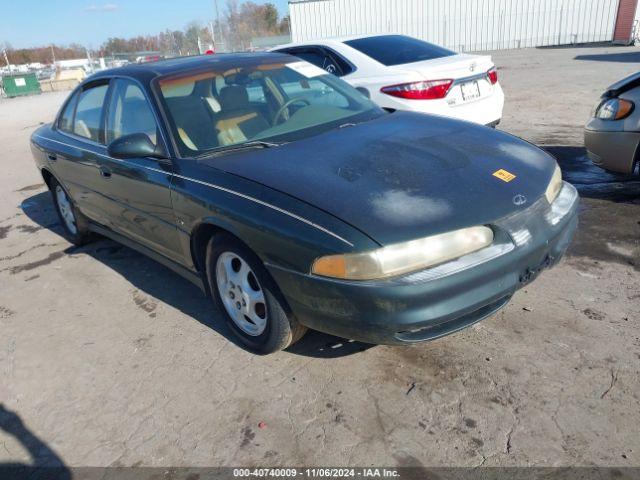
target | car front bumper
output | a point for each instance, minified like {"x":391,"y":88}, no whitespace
{"x":438,"y":301}
{"x":612,"y":150}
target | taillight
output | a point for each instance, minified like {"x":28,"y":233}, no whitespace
{"x":493,"y":75}
{"x":424,"y":90}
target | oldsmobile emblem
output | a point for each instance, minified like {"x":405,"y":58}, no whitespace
{"x":519,"y":200}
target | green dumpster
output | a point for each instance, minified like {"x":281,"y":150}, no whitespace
{"x":20,"y":84}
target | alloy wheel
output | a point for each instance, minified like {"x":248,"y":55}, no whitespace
{"x":241,"y":293}
{"x":66,"y":210}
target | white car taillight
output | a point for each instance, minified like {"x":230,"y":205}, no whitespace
{"x":492,"y":75}
{"x":423,"y":90}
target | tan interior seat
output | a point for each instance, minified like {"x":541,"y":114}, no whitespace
{"x":194,"y":122}
{"x":237,"y":120}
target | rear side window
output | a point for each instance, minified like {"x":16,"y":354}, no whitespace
{"x":255,"y":90}
{"x":322,"y":58}
{"x":342,"y":66}
{"x":89,"y":112}
{"x":313,"y":57}
{"x":398,"y":49}
{"x":65,"y":122}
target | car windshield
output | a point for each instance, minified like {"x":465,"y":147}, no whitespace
{"x":398,"y":49}
{"x":258,"y":103}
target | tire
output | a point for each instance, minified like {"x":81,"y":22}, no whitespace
{"x":253,"y":307}
{"x":74,"y":223}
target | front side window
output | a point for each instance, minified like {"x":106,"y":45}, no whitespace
{"x":276,"y":102}
{"x":397,"y":49}
{"x":89,"y":112}
{"x":129,"y":112}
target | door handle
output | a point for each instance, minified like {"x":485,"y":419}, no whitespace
{"x":52,"y":156}
{"x":105,"y":172}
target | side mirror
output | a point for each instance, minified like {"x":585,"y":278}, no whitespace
{"x":364,"y":92}
{"x":135,"y":145}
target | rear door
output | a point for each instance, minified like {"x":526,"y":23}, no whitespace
{"x":138,"y":189}
{"x":79,"y":144}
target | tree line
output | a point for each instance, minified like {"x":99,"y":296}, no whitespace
{"x":238,"y":24}
{"x":40,"y":54}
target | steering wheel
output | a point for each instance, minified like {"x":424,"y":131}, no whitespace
{"x":286,"y":104}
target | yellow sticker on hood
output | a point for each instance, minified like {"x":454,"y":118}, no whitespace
{"x":504,"y":175}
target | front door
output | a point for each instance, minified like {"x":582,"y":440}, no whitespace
{"x":138,"y":189}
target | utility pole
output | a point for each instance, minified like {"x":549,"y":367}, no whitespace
{"x":6,"y":59}
{"x":53,"y":55}
{"x":215,"y":5}
{"x":213,"y":36}
{"x":90,"y":60}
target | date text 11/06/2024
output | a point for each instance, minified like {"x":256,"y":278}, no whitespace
{"x":286,"y":473}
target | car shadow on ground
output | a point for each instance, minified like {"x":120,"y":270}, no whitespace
{"x":574,"y":46}
{"x":159,"y":282}
{"x":609,"y":219}
{"x":591,"y":180}
{"x":46,"y":463}
{"x":626,"y":57}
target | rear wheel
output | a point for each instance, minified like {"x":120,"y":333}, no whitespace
{"x":248,"y":297}
{"x":74,"y":224}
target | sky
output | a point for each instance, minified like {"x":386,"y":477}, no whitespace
{"x":31,"y":23}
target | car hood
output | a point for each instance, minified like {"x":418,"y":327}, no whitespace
{"x":402,"y":176}
{"x":621,"y":86}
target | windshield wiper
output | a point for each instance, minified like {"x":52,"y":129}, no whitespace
{"x":240,"y":147}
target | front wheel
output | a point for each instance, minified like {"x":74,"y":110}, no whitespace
{"x":248,"y":297}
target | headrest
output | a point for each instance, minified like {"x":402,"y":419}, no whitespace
{"x":234,"y":97}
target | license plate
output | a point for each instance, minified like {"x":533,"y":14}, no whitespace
{"x":470,"y":91}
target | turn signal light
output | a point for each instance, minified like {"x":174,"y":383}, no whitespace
{"x":614,"y":109}
{"x":331,"y":266}
{"x":424,"y":90}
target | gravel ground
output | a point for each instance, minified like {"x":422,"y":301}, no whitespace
{"x":109,"y":359}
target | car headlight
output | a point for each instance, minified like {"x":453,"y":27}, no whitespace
{"x":614,"y":109}
{"x":555,"y":185}
{"x":404,"y":257}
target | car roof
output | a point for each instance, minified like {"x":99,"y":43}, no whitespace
{"x":146,"y":71}
{"x":333,"y":40}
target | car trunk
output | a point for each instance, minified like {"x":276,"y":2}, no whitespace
{"x":455,"y":66}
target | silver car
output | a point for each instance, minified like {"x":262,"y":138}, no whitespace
{"x":612,"y":136}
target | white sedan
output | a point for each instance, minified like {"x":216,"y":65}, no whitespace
{"x":404,"y":73}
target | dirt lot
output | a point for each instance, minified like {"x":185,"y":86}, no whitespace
{"x":111,"y":360}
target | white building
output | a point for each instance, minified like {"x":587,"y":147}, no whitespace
{"x":75,"y":63}
{"x":468,"y":25}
